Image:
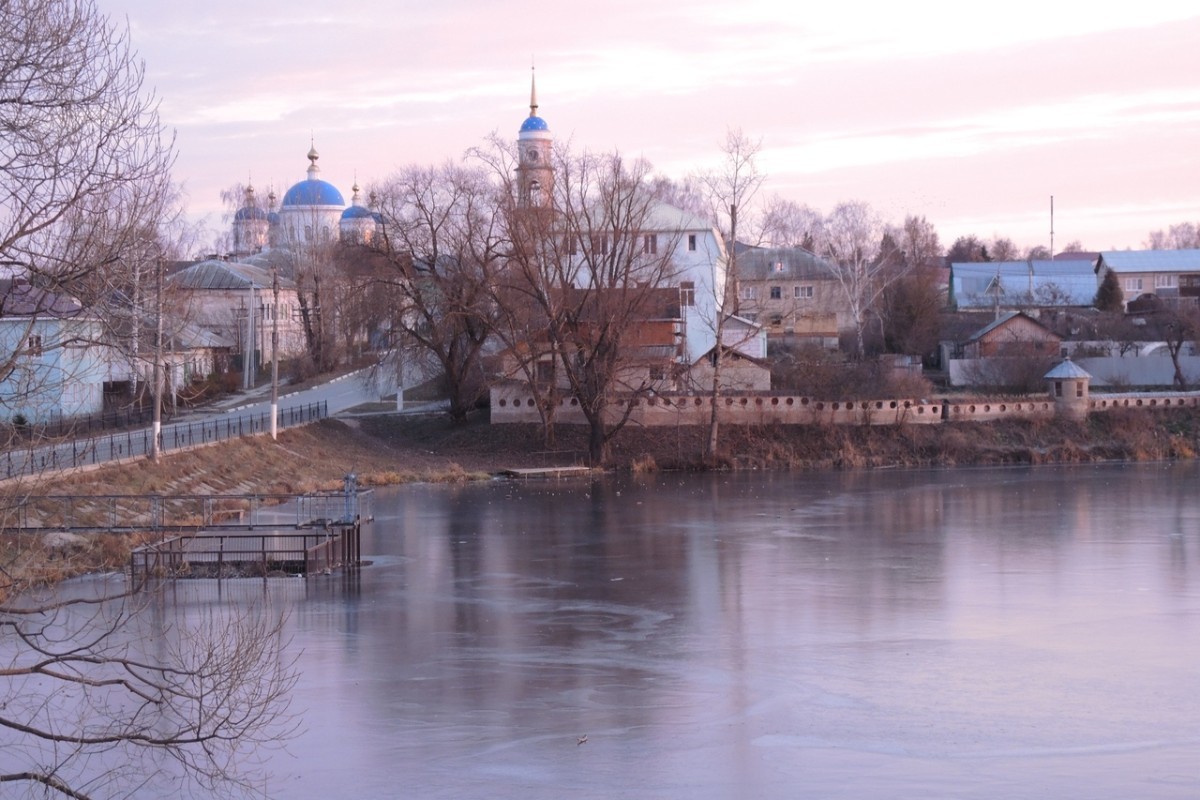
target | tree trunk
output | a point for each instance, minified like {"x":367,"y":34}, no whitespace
{"x":597,"y":443}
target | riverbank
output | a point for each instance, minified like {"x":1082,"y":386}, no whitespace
{"x":387,"y":449}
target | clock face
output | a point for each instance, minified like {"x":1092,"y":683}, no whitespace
{"x":532,"y":154}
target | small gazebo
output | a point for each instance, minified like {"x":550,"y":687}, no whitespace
{"x":1068,"y":384}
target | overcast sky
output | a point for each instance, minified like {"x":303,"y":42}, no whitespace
{"x":970,"y":115}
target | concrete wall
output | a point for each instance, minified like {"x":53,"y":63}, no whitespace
{"x":516,"y":404}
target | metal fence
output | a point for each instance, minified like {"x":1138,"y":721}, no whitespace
{"x":129,"y":444}
{"x":245,"y":555}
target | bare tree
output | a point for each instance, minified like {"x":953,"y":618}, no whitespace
{"x":967,"y":249}
{"x":1004,"y":249}
{"x":786,"y":223}
{"x":864,"y":260}
{"x":442,"y":242}
{"x":584,"y":270}
{"x":688,"y":194}
{"x":95,"y":698}
{"x":104,"y":694}
{"x":84,"y":160}
{"x":1183,"y":236}
{"x":1177,"y":327}
{"x":918,"y":242}
{"x":730,"y":189}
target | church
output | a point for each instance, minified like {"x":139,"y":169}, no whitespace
{"x":313,"y":213}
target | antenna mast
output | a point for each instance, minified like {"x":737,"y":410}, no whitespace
{"x":1051,"y":226}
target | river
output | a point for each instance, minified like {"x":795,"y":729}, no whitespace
{"x":971,"y":633}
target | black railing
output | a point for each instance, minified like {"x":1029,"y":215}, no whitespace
{"x":89,"y":451}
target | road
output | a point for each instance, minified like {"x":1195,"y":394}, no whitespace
{"x":215,"y":424}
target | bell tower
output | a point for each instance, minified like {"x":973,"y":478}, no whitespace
{"x":535,"y":172}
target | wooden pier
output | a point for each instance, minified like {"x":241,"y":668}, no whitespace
{"x":548,"y":472}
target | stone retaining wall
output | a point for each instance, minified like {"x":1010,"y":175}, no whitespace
{"x":515,"y":403}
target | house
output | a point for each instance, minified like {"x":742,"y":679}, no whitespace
{"x":1014,"y":350}
{"x":793,"y":294}
{"x":1172,"y":275}
{"x":1035,"y":283}
{"x":214,"y":296}
{"x":653,"y":348}
{"x":55,"y":363}
{"x":739,"y":372}
{"x":1010,"y":335}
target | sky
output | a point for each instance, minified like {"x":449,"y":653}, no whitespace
{"x":970,"y":115}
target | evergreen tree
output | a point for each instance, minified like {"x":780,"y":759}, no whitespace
{"x":1109,"y":296}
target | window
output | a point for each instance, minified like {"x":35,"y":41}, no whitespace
{"x":658,"y":373}
{"x":1079,"y":388}
{"x":1133,"y":284}
{"x":571,"y":244}
{"x":33,"y":345}
{"x":1164,"y":281}
{"x":308,"y":233}
{"x":687,"y":293}
{"x":776,"y":292}
{"x":545,"y":371}
{"x":691,"y":241}
{"x":802,"y":292}
{"x":649,"y":244}
{"x":749,"y":292}
{"x":778,"y":266}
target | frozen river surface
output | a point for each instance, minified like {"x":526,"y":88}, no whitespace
{"x":944,"y":634}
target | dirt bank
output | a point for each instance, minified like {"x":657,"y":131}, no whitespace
{"x":387,"y":449}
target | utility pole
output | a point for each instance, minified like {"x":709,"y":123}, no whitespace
{"x":248,"y":350}
{"x":155,"y":447}
{"x":275,"y":353}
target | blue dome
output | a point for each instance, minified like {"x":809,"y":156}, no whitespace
{"x":534,"y":124}
{"x":273,"y":218}
{"x":313,"y":192}
{"x":357,"y":212}
{"x":250,"y":213}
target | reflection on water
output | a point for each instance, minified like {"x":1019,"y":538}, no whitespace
{"x":965,"y":634}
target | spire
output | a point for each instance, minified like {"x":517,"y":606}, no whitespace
{"x":533,"y":105}
{"x":313,"y":169}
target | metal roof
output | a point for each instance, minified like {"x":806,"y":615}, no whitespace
{"x":19,"y":299}
{"x":216,"y":275}
{"x":1150,"y":260}
{"x":782,"y":263}
{"x":1035,"y":282}
{"x":1067,"y":370}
